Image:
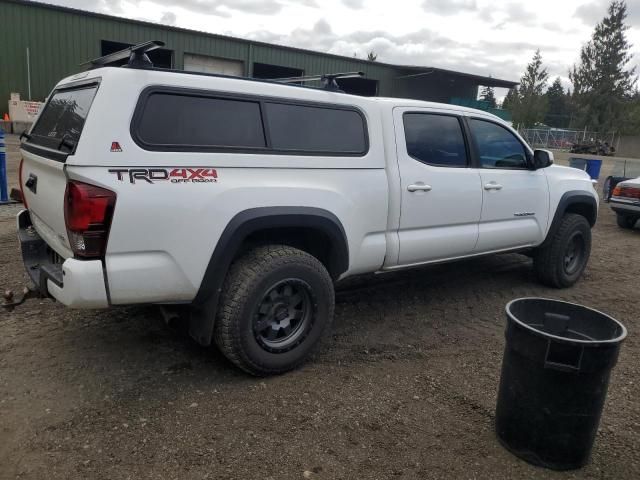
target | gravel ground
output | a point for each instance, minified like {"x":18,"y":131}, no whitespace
{"x":405,"y":387}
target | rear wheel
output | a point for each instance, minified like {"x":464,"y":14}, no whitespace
{"x":276,"y":304}
{"x":626,"y":221}
{"x":561,"y":262}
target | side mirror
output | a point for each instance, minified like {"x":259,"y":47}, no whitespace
{"x":542,"y":159}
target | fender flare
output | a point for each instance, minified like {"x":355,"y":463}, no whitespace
{"x":568,"y":199}
{"x":241,"y":226}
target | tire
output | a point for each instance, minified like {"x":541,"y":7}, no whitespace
{"x":276,"y":305}
{"x":626,"y":221}
{"x":561,"y":262}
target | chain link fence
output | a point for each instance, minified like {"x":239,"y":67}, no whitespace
{"x":564,"y":139}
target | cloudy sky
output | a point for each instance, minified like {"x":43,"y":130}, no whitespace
{"x":488,"y":37}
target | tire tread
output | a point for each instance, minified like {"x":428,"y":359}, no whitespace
{"x":243,"y":275}
{"x":626,"y":221}
{"x":547,"y":258}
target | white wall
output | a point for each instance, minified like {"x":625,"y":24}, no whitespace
{"x":206,"y":64}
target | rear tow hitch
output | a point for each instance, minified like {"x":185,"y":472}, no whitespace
{"x":9,"y":303}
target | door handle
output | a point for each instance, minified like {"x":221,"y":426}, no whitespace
{"x":417,"y":187}
{"x":492,"y":186}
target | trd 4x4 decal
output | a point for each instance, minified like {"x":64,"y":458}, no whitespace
{"x":173,"y":175}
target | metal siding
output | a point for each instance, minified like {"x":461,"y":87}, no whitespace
{"x":316,"y":63}
{"x":60,"y":40}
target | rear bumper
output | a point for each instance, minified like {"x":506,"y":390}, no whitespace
{"x":625,"y":207}
{"x":74,"y":283}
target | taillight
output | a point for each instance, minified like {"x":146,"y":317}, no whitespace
{"x":87,"y":213}
{"x":24,"y":199}
{"x":626,"y":192}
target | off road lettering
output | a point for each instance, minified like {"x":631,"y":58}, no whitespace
{"x":174,"y":175}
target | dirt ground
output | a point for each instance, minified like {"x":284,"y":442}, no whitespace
{"x":405,"y":387}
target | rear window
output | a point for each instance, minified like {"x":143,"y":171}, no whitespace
{"x":194,"y":121}
{"x":60,"y":123}
{"x":315,"y":129}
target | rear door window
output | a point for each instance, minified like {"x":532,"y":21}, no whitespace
{"x":435,"y":139}
{"x":62,"y":120}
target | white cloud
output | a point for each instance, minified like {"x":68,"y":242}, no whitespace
{"x":449,"y":7}
{"x":113,"y":7}
{"x":355,"y":4}
{"x":592,"y":12}
{"x":226,"y":8}
{"x":168,"y":18}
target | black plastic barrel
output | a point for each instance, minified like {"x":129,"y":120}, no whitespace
{"x":555,"y":374}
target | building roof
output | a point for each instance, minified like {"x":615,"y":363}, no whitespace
{"x":481,"y":79}
{"x":415,"y":69}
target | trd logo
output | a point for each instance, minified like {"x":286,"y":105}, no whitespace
{"x":175,"y":175}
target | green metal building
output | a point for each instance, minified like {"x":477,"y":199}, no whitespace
{"x":41,"y":43}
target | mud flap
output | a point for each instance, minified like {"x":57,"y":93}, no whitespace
{"x":202,"y":320}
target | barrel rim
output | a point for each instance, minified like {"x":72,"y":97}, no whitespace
{"x":546,"y":335}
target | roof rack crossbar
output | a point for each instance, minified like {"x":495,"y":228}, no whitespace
{"x":137,"y":55}
{"x":328,"y":79}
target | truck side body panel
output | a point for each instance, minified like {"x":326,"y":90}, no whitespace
{"x":164,"y":231}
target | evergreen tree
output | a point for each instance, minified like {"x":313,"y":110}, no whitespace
{"x":511,"y":100}
{"x":372,"y":56}
{"x":532,"y":105}
{"x":632,"y":118}
{"x":571,"y":109}
{"x":602,"y":83}
{"x":558,"y":114}
{"x":488,"y":95}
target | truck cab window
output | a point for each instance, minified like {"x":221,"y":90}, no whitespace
{"x":435,"y":139}
{"x":497,"y":147}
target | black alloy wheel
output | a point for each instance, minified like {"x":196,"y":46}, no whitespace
{"x":284,"y":316}
{"x":574,"y":253}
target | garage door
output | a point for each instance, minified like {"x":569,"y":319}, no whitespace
{"x":206,"y":64}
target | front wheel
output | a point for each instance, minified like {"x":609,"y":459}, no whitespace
{"x":626,"y":221}
{"x":562,"y":260}
{"x":276,"y":304}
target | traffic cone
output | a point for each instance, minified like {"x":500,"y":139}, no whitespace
{"x":6,"y":117}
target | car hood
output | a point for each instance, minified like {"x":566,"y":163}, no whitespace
{"x":567,"y":172}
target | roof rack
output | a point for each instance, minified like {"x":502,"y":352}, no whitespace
{"x":138,"y":58}
{"x":136,"y":54}
{"x":328,"y":79}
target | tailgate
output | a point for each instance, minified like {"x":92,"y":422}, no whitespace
{"x":52,"y":139}
{"x":44,"y":184}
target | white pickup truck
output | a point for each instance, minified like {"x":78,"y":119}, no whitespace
{"x":246,"y":200}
